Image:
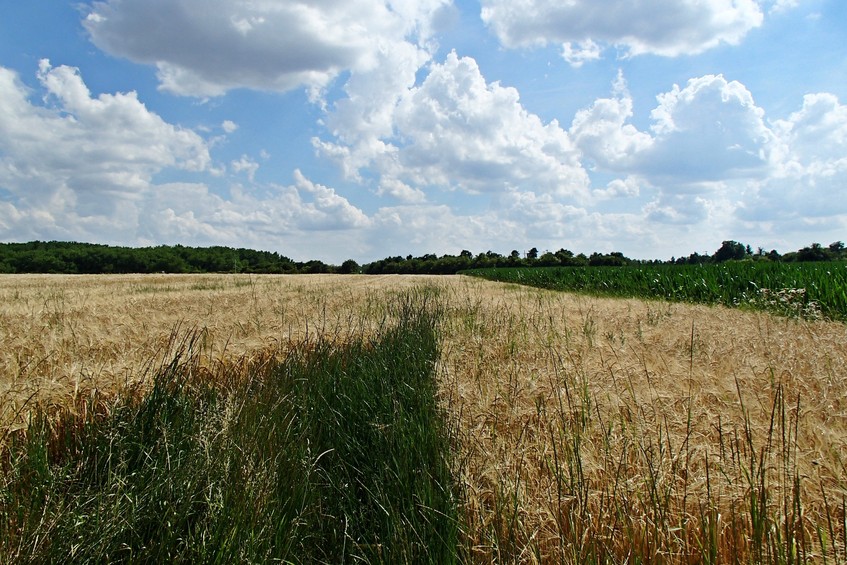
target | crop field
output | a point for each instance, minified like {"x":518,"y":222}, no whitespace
{"x":799,"y":289}
{"x":412,"y":419}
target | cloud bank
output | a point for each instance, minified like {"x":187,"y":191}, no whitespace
{"x":431,"y":155}
{"x":84,"y":167}
{"x":710,"y":159}
{"x":72,"y":162}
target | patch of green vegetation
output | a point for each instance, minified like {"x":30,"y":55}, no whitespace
{"x":153,"y":288}
{"x":209,"y":286}
{"x":337,"y":453}
{"x":797,"y":289}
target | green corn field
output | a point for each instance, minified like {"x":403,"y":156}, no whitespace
{"x":797,"y":289}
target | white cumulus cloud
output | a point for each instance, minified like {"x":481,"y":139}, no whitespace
{"x":82,"y":162}
{"x":809,"y":170}
{"x":577,"y":54}
{"x":710,"y":130}
{"x":245,"y":165}
{"x":299,"y":219}
{"x":711,"y":158}
{"x":647,"y":26}
{"x":456,"y":131}
{"x":400,"y":190}
{"x":328,"y":210}
{"x":603,"y":132}
{"x":83,"y":167}
{"x":263,"y":45}
{"x":459,"y":130}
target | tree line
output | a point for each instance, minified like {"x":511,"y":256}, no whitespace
{"x":89,"y":258}
{"x":729,"y":251}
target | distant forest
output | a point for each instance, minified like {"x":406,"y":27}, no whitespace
{"x":89,"y":258}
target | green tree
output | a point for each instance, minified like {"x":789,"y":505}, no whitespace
{"x":549,"y":260}
{"x":815,"y":252}
{"x":729,"y":250}
{"x":350,"y":267}
{"x":837,"y":249}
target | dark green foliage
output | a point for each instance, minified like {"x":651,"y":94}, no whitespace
{"x":86,"y":258}
{"x":449,"y":264}
{"x":336,"y":454}
{"x":381,"y":474}
{"x":730,"y":250}
{"x":788,"y":288}
{"x":349,"y":267}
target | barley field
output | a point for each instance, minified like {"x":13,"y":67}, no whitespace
{"x":66,"y":335}
{"x":582,"y":429}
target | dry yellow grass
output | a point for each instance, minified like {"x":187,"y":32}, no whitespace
{"x":582,"y":423}
{"x":63,"y":336}
{"x":591,"y":422}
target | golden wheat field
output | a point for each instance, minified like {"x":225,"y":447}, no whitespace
{"x":646,"y":427}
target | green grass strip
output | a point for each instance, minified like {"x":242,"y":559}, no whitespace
{"x":337,"y":454}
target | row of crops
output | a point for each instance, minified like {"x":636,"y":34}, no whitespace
{"x":802,"y":289}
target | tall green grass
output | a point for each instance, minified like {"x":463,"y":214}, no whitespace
{"x":337,"y":453}
{"x":801,"y":289}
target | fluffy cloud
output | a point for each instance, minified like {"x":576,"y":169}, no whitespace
{"x":603,"y":134}
{"x":83,"y":168}
{"x":455,"y":131}
{"x":460,"y":130}
{"x":577,"y":54}
{"x":400,"y":190}
{"x":808,"y":182}
{"x":815,"y":136}
{"x":711,"y":130}
{"x":81,"y":158}
{"x":425,"y":228}
{"x":301,"y":220}
{"x":191,"y":212}
{"x":245,"y":165}
{"x":263,"y":45}
{"x":545,"y":222}
{"x":543,"y":215}
{"x":710,"y":162}
{"x":363,"y":121}
{"x":328,"y":210}
{"x":648,"y":26}
{"x":710,"y":159}
{"x":620,"y":188}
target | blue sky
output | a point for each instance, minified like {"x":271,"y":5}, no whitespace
{"x":366,"y":128}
